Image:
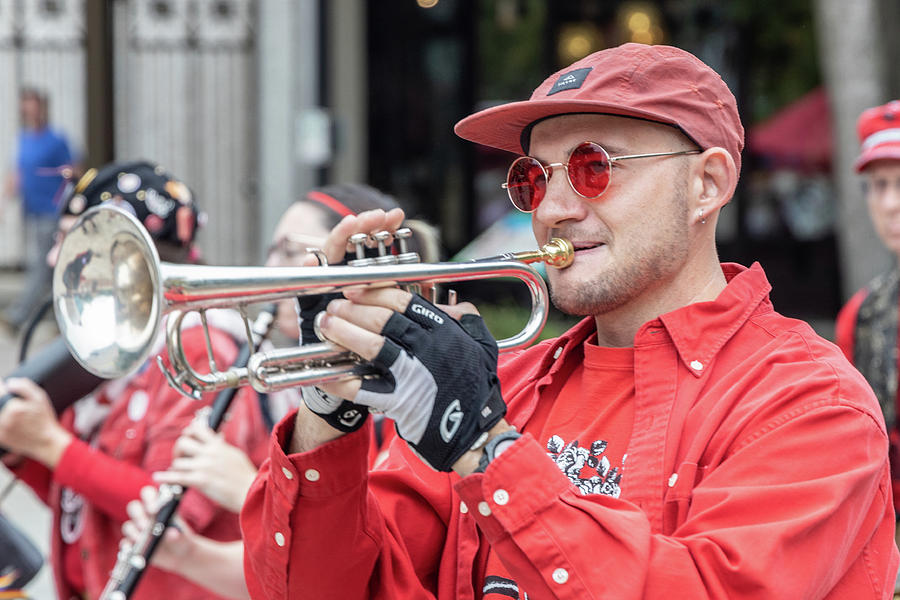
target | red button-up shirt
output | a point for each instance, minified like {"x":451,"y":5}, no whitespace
{"x":134,"y":440}
{"x":757,"y":468}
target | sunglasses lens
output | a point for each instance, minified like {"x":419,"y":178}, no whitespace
{"x":526,"y":183}
{"x":589,"y":169}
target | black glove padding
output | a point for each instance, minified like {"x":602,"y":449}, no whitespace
{"x":438,"y":381}
{"x":307,"y":309}
{"x":341,"y":414}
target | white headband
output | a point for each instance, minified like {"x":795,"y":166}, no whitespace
{"x":879,"y":137}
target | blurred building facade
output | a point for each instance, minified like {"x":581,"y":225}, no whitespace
{"x":253,"y":101}
{"x":180,"y":82}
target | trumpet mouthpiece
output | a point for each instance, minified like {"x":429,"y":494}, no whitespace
{"x":558,"y":252}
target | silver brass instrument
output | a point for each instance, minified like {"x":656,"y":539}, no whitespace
{"x":111,"y":291}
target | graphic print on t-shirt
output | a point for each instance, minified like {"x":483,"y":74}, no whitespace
{"x":588,"y":469}
{"x":586,"y":424}
{"x":496,"y":588}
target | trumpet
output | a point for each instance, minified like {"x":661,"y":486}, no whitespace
{"x":110,"y":292}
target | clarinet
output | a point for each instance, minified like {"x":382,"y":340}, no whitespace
{"x":132,"y":560}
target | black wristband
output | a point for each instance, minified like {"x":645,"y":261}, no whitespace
{"x":343,"y":415}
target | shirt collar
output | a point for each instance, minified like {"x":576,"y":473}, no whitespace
{"x":699,"y":330}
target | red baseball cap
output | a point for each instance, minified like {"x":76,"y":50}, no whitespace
{"x":658,"y":83}
{"x":879,"y":134}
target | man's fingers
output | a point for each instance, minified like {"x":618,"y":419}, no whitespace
{"x":398,"y":300}
{"x":393,"y":219}
{"x":458,"y":310}
{"x":342,"y":389}
{"x":365,"y":222}
{"x":391,"y":298}
{"x":351,"y":336}
{"x":370,"y":318}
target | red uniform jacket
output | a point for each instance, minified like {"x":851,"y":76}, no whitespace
{"x":757,"y":468}
{"x":134,"y":440}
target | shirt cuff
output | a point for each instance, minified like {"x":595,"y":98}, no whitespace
{"x":329,"y":470}
{"x":516,"y":486}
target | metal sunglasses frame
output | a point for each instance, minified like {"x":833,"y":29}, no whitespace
{"x":549,"y":167}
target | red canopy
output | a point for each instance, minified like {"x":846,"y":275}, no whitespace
{"x":798,"y":136}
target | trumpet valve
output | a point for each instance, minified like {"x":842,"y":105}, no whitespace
{"x":383,"y":238}
{"x":405,"y":257}
{"x":359,"y":242}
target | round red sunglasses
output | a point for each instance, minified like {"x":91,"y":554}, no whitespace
{"x":588,"y":170}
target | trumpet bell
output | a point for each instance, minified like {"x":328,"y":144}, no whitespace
{"x":106,"y":296}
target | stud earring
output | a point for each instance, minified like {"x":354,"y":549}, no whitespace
{"x":700,"y":214}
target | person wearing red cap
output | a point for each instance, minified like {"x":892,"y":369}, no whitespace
{"x":683,"y":439}
{"x":91,"y":460}
{"x":866,"y":327}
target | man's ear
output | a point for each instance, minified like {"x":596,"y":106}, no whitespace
{"x":714,"y":179}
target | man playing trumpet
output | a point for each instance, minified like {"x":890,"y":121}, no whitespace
{"x":684,"y":438}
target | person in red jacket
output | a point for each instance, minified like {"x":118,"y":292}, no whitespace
{"x":92,"y":460}
{"x":208,"y":461}
{"x":684,"y":439}
{"x":866,"y":327}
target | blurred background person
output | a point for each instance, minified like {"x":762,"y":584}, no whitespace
{"x":89,"y":462}
{"x":866,"y":327}
{"x":42,"y":164}
{"x":207,"y":461}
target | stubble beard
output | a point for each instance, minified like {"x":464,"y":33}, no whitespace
{"x":633,"y":272}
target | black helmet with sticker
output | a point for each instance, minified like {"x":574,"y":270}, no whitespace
{"x":162,"y":203}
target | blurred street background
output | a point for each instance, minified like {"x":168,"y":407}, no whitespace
{"x":252,"y":102}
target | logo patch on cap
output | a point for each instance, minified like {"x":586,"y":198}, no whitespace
{"x":570,"y":81}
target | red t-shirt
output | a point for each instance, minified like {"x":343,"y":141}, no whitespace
{"x":586,"y":431}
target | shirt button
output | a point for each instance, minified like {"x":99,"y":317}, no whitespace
{"x":311,"y":475}
{"x":287,"y":473}
{"x":673,"y":479}
{"x":696,"y":365}
{"x":463,"y":508}
{"x":501,"y":497}
{"x":130,"y":434}
{"x":484,"y":509}
{"x":279,"y":538}
{"x":560,"y":575}
{"x":557,"y":353}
